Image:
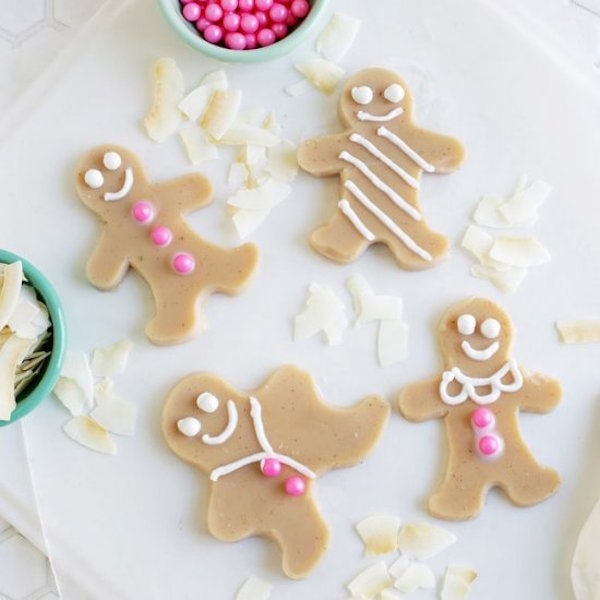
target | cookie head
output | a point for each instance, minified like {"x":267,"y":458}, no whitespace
{"x":375,"y":96}
{"x":107,"y":176}
{"x":475,"y":336}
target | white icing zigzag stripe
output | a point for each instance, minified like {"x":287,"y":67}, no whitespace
{"x":345,"y":207}
{"x":379,"y":184}
{"x":377,"y":153}
{"x":414,"y":156}
{"x":365,"y":116}
{"x":377,"y":212}
{"x":470,"y":384}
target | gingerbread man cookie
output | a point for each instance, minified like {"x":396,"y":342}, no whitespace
{"x":380,"y":158}
{"x":144,"y":229}
{"x":479,"y":396}
{"x":262,"y":451}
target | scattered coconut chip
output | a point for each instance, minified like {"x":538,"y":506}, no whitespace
{"x":264,"y":197}
{"x":507,"y":280}
{"x":247,"y":222}
{"x":282,"y":161}
{"x":218,"y":79}
{"x":338,"y":36}
{"x":255,"y":589}
{"x":11,"y":291}
{"x":252,"y":155}
{"x":467,"y":574}
{"x":390,"y":594}
{"x":579,"y":331}
{"x":12,"y":353}
{"x":194,"y":105}
{"x":370,"y":582}
{"x":488,"y":214}
{"x":24,"y":320}
{"x":221,"y":112}
{"x":369,"y":307}
{"x":86,"y":432}
{"x":238,"y":174}
{"x":76,"y":366}
{"x":324,"y":312}
{"x":585,"y":568}
{"x":457,"y":582}
{"x":197,"y":146}
{"x":298,"y":88}
{"x":272,"y":125}
{"x":71,"y":396}
{"x":422,"y":540}
{"x":392,"y":342}
{"x":379,"y":534}
{"x":247,"y":134}
{"x":519,"y":251}
{"x":164,"y":116}
{"x":399,"y":566}
{"x":416,"y":576}
{"x":478,"y":242}
{"x":253,"y":116}
{"x":324,"y":75}
{"x":111,"y":360}
{"x":113,"y":414}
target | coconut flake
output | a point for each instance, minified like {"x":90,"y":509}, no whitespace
{"x":457,"y":582}
{"x":194,"y":105}
{"x":368,"y":307}
{"x":522,"y":208}
{"x":221,"y":112}
{"x":262,"y":198}
{"x":579,"y":331}
{"x":422,"y":540}
{"x":324,"y":75}
{"x":282,"y":161}
{"x":299,"y":88}
{"x":111,"y":360}
{"x":416,"y":576}
{"x":390,"y":594}
{"x":338,"y":36}
{"x":392,"y":342}
{"x":272,"y":125}
{"x":197,"y":146}
{"x":252,"y":155}
{"x":507,"y":281}
{"x":370,"y":582}
{"x":255,"y":589}
{"x":11,"y":291}
{"x":247,"y":134}
{"x":399,"y":566}
{"x":24,"y":320}
{"x":164,"y":116}
{"x":478,"y":242}
{"x":91,"y":435}
{"x":488,"y":214}
{"x":247,"y":222}
{"x":324,"y":312}
{"x":585,"y":569}
{"x":466,"y":574}
{"x":12,"y":353}
{"x":76,"y":366}
{"x":379,"y":534}
{"x":112,"y":413}
{"x":238,"y":174}
{"x":71,"y":396}
{"x":519,"y":251}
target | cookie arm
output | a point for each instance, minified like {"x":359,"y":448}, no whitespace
{"x":445,"y":153}
{"x":186,"y":193}
{"x":421,"y":401}
{"x":539,"y":394}
{"x":321,"y":156}
{"x":107,"y":265}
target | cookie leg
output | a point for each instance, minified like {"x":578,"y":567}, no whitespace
{"x":430,"y":248}
{"x":461,"y":496}
{"x":339,"y":240}
{"x":234,"y":268}
{"x":175,"y":319}
{"x":531,"y":484}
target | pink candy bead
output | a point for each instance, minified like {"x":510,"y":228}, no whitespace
{"x":213,"y":13}
{"x":249,"y":23}
{"x":142,"y":212}
{"x":183,"y":263}
{"x":229,"y":5}
{"x":278,"y":13}
{"x":488,"y":445}
{"x":161,"y":236}
{"x":246,"y":5}
{"x":235,"y":41}
{"x":202,"y":24}
{"x":213,"y":34}
{"x":300,"y":8}
{"x":262,"y":18}
{"x":280,"y":30}
{"x":251,"y":42}
{"x":294,"y":486}
{"x":266,"y":37}
{"x":186,"y":1}
{"x":482,"y":418}
{"x":263,"y":4}
{"x":192,"y":11}
{"x":231,"y":22}
{"x":291,"y":20}
{"x":270,"y":467}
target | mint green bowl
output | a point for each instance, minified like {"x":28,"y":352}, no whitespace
{"x":188,"y":33}
{"x":42,"y":385}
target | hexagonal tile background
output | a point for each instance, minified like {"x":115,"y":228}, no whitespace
{"x":20,"y":21}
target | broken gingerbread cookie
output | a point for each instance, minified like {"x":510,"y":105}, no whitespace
{"x":144,"y":229}
{"x":380,"y":158}
{"x":479,"y":396}
{"x":263,"y":450}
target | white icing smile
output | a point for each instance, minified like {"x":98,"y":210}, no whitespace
{"x":125,"y":189}
{"x":228,"y":431}
{"x":484,"y":354}
{"x":365,"y":116}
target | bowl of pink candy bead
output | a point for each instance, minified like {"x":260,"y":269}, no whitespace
{"x":243,"y":30}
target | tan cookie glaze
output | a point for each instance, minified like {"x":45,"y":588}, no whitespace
{"x":129,"y":242}
{"x":300,"y":428}
{"x":380,"y":163}
{"x":470,"y":473}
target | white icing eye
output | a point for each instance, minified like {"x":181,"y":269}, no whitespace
{"x":362,"y":95}
{"x":394,"y":93}
{"x":112,"y":161}
{"x":189,"y":426}
{"x":93,"y":178}
{"x":490,"y":329}
{"x":466,"y":324}
{"x":207,"y":402}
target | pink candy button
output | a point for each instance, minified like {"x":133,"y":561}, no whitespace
{"x":183,"y":263}
{"x":294,"y":486}
{"x":489,"y":445}
{"x":161,"y":236}
{"x":482,"y":418}
{"x":270,"y":467}
{"x":142,"y":212}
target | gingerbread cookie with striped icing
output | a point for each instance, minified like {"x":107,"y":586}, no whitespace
{"x":262,"y":452}
{"x":479,"y":396}
{"x":380,"y":159}
{"x":144,"y":229}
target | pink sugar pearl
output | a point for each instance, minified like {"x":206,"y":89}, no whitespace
{"x":235,"y":41}
{"x":213,"y":34}
{"x":142,"y":212}
{"x":262,"y":18}
{"x":266,"y":37}
{"x":251,"y":42}
{"x":186,"y":1}
{"x":300,"y":8}
{"x":183,"y":263}
{"x":278,"y":13}
{"x":294,"y":486}
{"x":488,"y":445}
{"x":280,"y":30}
{"x":231,"y":22}
{"x":202,"y":24}
{"x":291,"y":20}
{"x":246,"y":5}
{"x":263,"y":5}
{"x":249,"y":23}
{"x":161,"y":236}
{"x":213,"y":13}
{"x":192,"y":11}
{"x":229,"y":5}
{"x":271,"y":467}
{"x":482,"y":418}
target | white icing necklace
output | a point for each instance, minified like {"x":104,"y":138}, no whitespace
{"x":268,"y":452}
{"x":470,"y":384}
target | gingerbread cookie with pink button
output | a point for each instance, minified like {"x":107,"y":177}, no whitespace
{"x":379,"y":159}
{"x":144,"y":229}
{"x":479,"y":396}
{"x":263,"y":451}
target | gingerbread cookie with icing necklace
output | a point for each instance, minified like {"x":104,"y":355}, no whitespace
{"x":262,"y":452}
{"x":144,"y":228}
{"x":380,"y":159}
{"x":479,"y":396}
